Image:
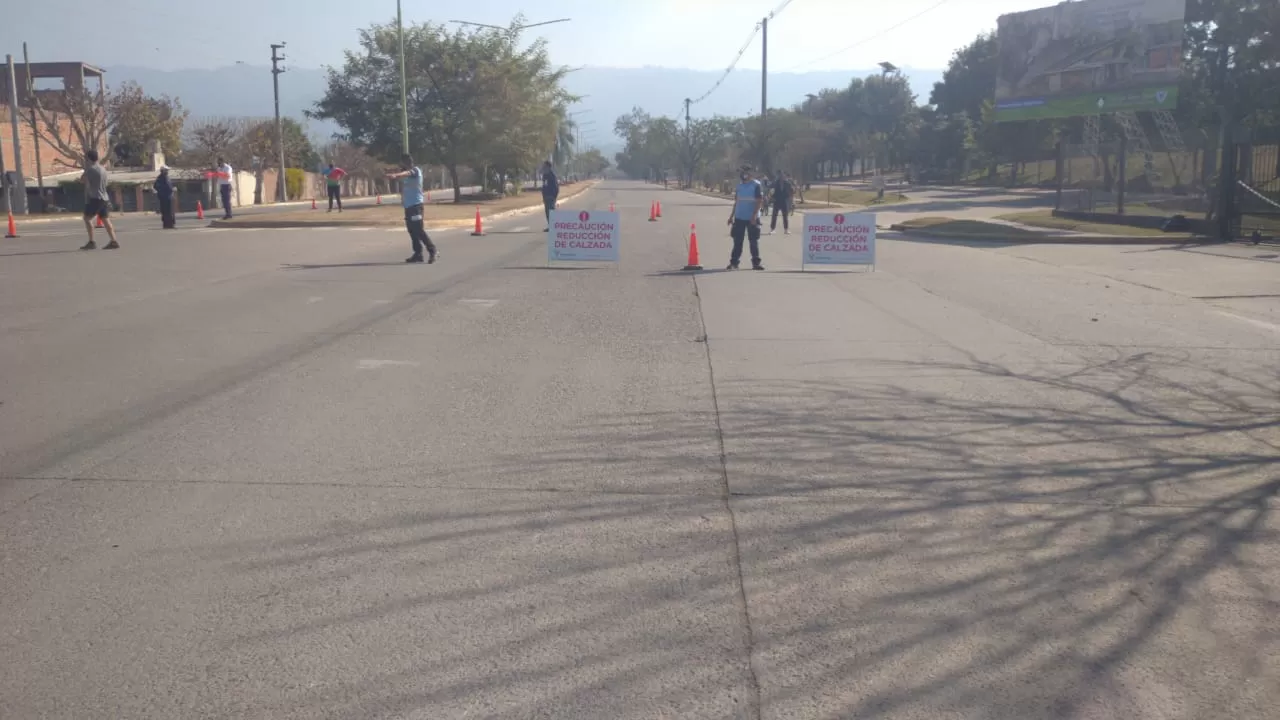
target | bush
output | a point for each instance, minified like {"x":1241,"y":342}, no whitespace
{"x":294,"y":179}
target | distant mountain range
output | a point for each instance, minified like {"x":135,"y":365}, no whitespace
{"x":245,"y":90}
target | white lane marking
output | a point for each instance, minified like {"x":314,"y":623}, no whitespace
{"x":361,"y":229}
{"x":375,"y":364}
{"x":522,"y":228}
{"x":478,"y":302}
{"x":1251,"y":321}
{"x":311,"y":300}
{"x":324,"y":229}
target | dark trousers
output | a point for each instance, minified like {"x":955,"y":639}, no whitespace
{"x":166,"y":211}
{"x":548,"y":204}
{"x":745,"y":229}
{"x":335,"y":195}
{"x":783,"y":206}
{"x":226,"y":200}
{"x":418,"y":233}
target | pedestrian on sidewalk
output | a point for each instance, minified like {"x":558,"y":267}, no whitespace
{"x":744,"y":219}
{"x":333,"y":182}
{"x":550,"y":190}
{"x":164,"y":198}
{"x":97,"y":204}
{"x":413,"y":200}
{"x":224,"y":174}
{"x":783,"y":192}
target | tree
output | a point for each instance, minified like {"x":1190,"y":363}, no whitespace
{"x":207,"y":139}
{"x":72,"y":121}
{"x":591,"y":162}
{"x":260,"y":150}
{"x":474,"y":96}
{"x":137,"y":119}
{"x":702,"y":138}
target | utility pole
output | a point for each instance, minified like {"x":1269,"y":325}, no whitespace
{"x":764,"y":89}
{"x":275,"y":80}
{"x":404,"y":93}
{"x":35,"y":134}
{"x":688,"y":141}
{"x":21,"y":206}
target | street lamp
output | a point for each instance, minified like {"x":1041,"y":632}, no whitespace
{"x":404,"y":94}
{"x":517,"y":27}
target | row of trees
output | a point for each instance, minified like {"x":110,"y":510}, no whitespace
{"x":1231,"y":69}
{"x":476,"y":98}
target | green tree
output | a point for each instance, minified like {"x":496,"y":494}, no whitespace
{"x":137,"y":119}
{"x":474,"y":96}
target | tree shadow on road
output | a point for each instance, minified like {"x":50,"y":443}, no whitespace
{"x":962,"y":539}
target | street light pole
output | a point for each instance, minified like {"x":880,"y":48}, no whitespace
{"x":404,"y":93}
{"x":275,"y":79}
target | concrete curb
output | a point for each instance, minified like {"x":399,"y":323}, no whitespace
{"x":253,"y":224}
{"x":1055,"y":240}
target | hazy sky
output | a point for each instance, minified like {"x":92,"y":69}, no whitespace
{"x":699,"y":34}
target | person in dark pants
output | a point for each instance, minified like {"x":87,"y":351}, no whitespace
{"x":224,"y":173}
{"x":744,"y":219}
{"x":333,"y":182}
{"x":550,"y":190}
{"x":783,"y":193}
{"x":97,"y":203}
{"x":412,"y":198}
{"x":164,"y":198}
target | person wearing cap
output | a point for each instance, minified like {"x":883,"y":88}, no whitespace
{"x":164,"y":197}
{"x":744,"y":220}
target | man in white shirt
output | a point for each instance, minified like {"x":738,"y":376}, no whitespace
{"x":224,"y":175}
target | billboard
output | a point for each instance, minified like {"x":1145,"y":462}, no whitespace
{"x":1089,"y":58}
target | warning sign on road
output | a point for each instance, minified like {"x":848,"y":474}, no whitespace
{"x":583,"y":236}
{"x":839,"y":239}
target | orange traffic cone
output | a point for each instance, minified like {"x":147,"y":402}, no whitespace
{"x":313,"y":203}
{"x":98,"y":224}
{"x":693,"y":249}
{"x":659,"y":204}
{"x":611,"y":207}
{"x":653,"y":212}
{"x":479,"y":224}
{"x":199,"y":210}
{"x":13,"y":227}
{"x":379,"y":199}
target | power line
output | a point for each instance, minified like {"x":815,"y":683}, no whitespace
{"x":736,"y":58}
{"x":887,"y":30}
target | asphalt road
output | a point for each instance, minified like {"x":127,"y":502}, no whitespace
{"x":280,"y":474}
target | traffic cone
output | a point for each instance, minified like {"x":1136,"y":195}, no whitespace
{"x":653,"y":212}
{"x":611,"y":207}
{"x":379,"y":199}
{"x":693,"y":249}
{"x":659,"y":204}
{"x":98,"y":224}
{"x":199,"y":210}
{"x":479,"y":224}
{"x":13,"y":227}
{"x":313,"y":203}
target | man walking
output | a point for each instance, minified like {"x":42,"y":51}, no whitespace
{"x":783,"y":192}
{"x":97,"y":204}
{"x":412,"y":198}
{"x":550,"y":190}
{"x":224,"y":175}
{"x":164,"y":197}
{"x":333,"y":182}
{"x":744,"y":220}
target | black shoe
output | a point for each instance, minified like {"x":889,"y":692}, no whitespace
{"x":91,"y":245}
{"x":732,"y":266}
{"x":757,"y":266}
{"x":432,"y":257}
{"x":414,"y":258}
{"x":113,"y":245}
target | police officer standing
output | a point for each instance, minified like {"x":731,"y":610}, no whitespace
{"x":164,"y":197}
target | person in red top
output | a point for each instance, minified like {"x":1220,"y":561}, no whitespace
{"x":333,"y":180}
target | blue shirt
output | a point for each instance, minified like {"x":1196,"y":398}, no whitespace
{"x":411,"y":189}
{"x":744,"y":203}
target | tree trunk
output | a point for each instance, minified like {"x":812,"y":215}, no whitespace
{"x":453,"y":178}
{"x":257,"y":186}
